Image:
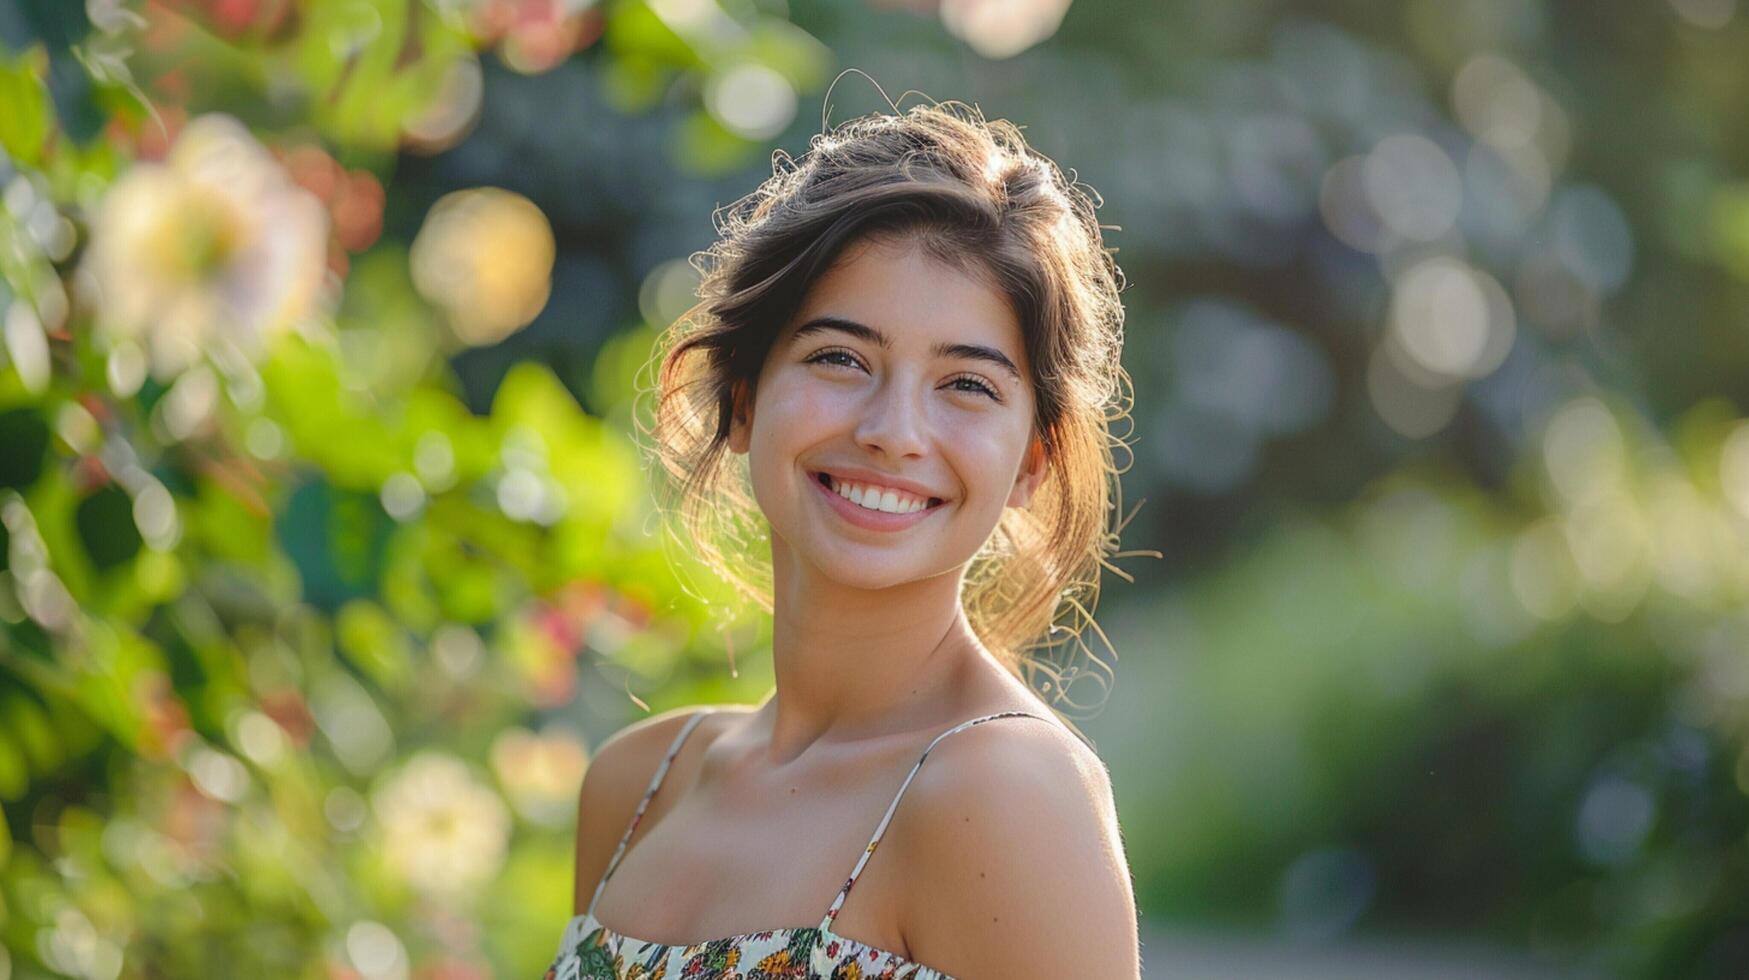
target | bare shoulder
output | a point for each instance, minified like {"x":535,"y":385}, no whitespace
{"x":1014,"y":860}
{"x":616,"y":778}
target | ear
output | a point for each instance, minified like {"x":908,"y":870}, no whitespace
{"x":741,"y":419}
{"x":1032,"y":473}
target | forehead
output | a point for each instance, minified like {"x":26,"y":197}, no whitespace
{"x":899,"y":289}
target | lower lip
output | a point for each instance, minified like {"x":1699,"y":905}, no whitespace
{"x":873,"y":520}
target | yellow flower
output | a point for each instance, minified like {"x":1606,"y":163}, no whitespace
{"x":486,"y":257}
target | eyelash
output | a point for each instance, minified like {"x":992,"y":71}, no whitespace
{"x":982,"y":386}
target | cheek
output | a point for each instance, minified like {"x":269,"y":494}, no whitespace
{"x":983,"y":458}
{"x":796,"y":415}
{"x":790,"y":421}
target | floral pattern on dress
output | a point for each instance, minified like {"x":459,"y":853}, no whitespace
{"x":591,"y":951}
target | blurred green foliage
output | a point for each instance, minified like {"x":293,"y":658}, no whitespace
{"x":290,"y":631}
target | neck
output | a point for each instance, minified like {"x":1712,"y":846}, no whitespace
{"x":857,"y":663}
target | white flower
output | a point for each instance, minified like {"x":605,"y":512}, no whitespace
{"x":443,"y":831}
{"x":213,"y":245}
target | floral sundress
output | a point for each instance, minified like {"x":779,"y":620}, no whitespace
{"x":591,"y":951}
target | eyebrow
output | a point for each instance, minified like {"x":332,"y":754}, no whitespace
{"x":862,"y":331}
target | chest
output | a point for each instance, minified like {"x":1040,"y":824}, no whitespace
{"x":733,"y":850}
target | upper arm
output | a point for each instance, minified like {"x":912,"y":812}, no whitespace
{"x":615,"y":779}
{"x":1015,"y":861}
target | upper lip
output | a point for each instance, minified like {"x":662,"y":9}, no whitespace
{"x":855,"y":475}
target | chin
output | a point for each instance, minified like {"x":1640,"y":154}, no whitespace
{"x":847,"y":571}
{"x":858,"y":571}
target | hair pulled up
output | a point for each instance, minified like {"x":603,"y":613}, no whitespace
{"x":976,"y":196}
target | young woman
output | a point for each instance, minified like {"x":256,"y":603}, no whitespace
{"x":895,"y":395}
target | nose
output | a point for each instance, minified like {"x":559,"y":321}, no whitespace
{"x":893,"y":421}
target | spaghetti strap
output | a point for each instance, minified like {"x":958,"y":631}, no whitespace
{"x":875,"y":841}
{"x":638,"y":815}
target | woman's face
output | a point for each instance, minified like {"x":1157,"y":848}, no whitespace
{"x":902,"y":382}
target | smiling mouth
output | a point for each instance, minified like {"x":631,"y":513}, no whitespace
{"x":832,"y":484}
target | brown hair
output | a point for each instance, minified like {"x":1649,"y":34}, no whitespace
{"x":976,"y":196}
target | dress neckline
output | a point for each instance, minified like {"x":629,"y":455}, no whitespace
{"x":827,"y":937}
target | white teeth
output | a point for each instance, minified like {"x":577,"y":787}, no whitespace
{"x":888,"y":501}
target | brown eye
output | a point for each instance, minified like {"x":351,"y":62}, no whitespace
{"x":824,"y":356}
{"x":977,"y":383}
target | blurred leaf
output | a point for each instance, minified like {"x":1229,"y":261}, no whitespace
{"x":1730,"y":226}
{"x":305,"y":396}
{"x":531,"y":396}
{"x":536,"y":876}
{"x":703,"y":147}
{"x":228,"y":527}
{"x":14,"y":774}
{"x":633,"y":82}
{"x":633,"y":28}
{"x":52,"y":501}
{"x":26,"y":438}
{"x":105,"y":519}
{"x":405,"y":589}
{"x":790,"y":51}
{"x":56,"y":22}
{"x":375,"y":643}
{"x":614,"y":378}
{"x":34,"y":731}
{"x":380,"y":303}
{"x":465,"y":581}
{"x":374,"y":64}
{"x":336,"y":538}
{"x":26,"y":112}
